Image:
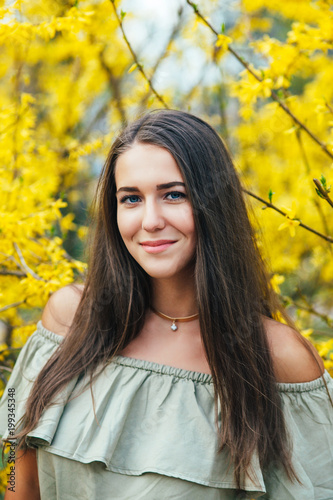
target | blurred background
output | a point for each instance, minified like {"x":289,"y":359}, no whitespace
{"x":73,"y":73}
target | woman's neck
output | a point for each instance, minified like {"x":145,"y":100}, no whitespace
{"x":174,"y":297}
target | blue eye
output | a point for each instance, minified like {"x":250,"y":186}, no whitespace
{"x":125,"y":198}
{"x":180,"y":195}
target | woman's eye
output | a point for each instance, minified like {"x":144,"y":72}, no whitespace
{"x":125,"y":198}
{"x":178,"y":195}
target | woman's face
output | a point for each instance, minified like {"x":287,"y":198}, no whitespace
{"x":152,"y":207}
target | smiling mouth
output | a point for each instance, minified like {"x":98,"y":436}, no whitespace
{"x":153,"y":248}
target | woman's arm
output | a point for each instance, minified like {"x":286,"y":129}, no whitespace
{"x":26,"y":478}
{"x":57,"y":317}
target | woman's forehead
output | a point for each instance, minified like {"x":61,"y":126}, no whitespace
{"x":145,"y":161}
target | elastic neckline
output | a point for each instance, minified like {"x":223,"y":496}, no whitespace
{"x":55,"y":337}
{"x":318,"y":383}
{"x":151,"y":366}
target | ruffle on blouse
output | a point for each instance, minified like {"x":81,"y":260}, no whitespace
{"x":160,"y":419}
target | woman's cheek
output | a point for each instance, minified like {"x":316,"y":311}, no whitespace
{"x":128,"y":224}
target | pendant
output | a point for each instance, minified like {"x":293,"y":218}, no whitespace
{"x":174,"y":327}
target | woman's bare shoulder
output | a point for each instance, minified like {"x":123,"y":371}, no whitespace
{"x":293,"y":363}
{"x":60,"y":309}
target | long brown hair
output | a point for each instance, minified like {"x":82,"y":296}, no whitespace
{"x":233,"y":292}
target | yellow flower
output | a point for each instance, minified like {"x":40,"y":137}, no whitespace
{"x":307,"y":332}
{"x":132,"y":68}
{"x":290,"y":222}
{"x":223,"y":42}
{"x":67,"y":224}
{"x":82,"y":232}
{"x":276,"y":280}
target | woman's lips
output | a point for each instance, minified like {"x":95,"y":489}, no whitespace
{"x":157,"y":248}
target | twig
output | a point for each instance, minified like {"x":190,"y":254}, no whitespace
{"x":9,"y":306}
{"x":270,"y":205}
{"x":323,"y":191}
{"x":329,"y":107}
{"x":99,"y":114}
{"x":164,"y":52}
{"x":25,"y":265}
{"x":139,"y":65}
{"x":173,"y":35}
{"x":114,"y":84}
{"x":2,"y":367}
{"x":311,"y":310}
{"x":273,"y":94}
{"x":308,"y":171}
{"x":68,"y":257}
{"x":12,"y":273}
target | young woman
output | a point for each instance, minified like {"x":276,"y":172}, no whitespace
{"x":195,"y":390}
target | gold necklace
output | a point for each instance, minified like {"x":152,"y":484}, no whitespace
{"x":174,"y":327}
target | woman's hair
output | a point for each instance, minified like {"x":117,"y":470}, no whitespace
{"x":233,"y":293}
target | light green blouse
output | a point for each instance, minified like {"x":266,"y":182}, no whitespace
{"x":155,"y":437}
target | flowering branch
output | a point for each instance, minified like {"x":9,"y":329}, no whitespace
{"x":270,"y":205}
{"x":253,"y":73}
{"x":24,"y":265}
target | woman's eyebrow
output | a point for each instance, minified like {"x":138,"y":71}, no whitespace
{"x":158,"y":187}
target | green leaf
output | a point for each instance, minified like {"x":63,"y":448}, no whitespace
{"x":323,"y":181}
{"x":319,"y":193}
{"x":223,"y":28}
{"x":122,"y":14}
{"x":270,"y":195}
{"x":195,"y":7}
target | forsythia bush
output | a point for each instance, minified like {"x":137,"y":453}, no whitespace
{"x":69,"y":80}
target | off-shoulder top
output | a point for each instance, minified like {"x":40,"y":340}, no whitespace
{"x":155,"y":434}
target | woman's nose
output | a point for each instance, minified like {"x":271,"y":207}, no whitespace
{"x":152,"y":217}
